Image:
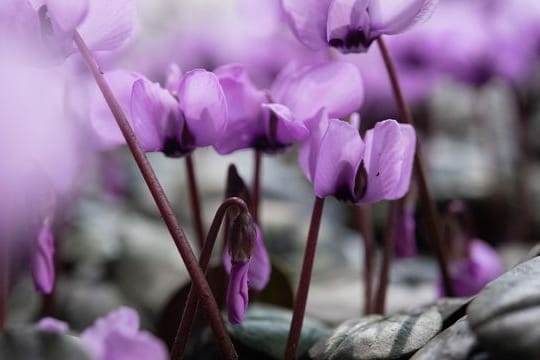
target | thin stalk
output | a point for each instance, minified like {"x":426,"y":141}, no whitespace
{"x":305,"y":279}
{"x":257,"y":186}
{"x":195,"y":200}
{"x":365,"y":227}
{"x":388,"y":250}
{"x":192,"y":302}
{"x":178,"y":235}
{"x":428,"y":204}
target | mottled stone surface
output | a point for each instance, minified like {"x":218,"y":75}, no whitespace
{"x":505,"y":316}
{"x":455,"y":343}
{"x":379,"y":337}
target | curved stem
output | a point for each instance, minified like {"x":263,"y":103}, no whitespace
{"x":192,"y":302}
{"x":388,"y":250}
{"x":162,"y":203}
{"x":195,"y":200}
{"x":305,"y":279}
{"x":428,"y":204}
{"x":365,"y":227}
{"x":257,"y":186}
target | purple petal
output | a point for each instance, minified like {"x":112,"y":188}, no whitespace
{"x":307,"y":19}
{"x":151,"y":108}
{"x":392,"y":17}
{"x":43,"y":271}
{"x":336,"y":86}
{"x":289,"y":129}
{"x":237,"y":292}
{"x":347,"y":14}
{"x":204,"y":106}
{"x":405,"y":245}
{"x":117,"y":337}
{"x":340,"y":154}
{"x":109,"y":24}
{"x":259,"y":265}
{"x":52,"y":325}
{"x":388,"y":159}
{"x":174,"y":77}
{"x":67,"y":14}
{"x":471,"y":275}
{"x":309,"y":151}
{"x":103,"y":122}
{"x":244,"y":107}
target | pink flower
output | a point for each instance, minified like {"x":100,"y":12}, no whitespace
{"x":351,"y":25}
{"x":339,"y":163}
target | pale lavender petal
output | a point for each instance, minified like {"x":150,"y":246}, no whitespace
{"x":67,"y":14}
{"x":141,"y":346}
{"x":336,"y":86}
{"x":117,"y":337}
{"x":103,"y":122}
{"x":347,"y":14}
{"x":204,"y":106}
{"x":259,"y":265}
{"x":392,"y":17}
{"x":109,"y":24}
{"x":340,"y":154}
{"x":388,"y":160}
{"x":52,"y":325}
{"x":244,"y":108}
{"x":237,"y":292}
{"x":307,"y":19}
{"x":43,"y":271}
{"x":151,"y":108}
{"x":405,"y":243}
{"x":309,"y":151}
{"x":174,"y":77}
{"x":288,"y":128}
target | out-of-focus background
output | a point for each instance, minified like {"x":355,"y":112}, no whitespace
{"x":472,"y":76}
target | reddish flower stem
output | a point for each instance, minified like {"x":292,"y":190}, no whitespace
{"x":365,"y":227}
{"x":180,"y":240}
{"x":388,"y":251}
{"x":195,"y":200}
{"x":192,"y":302}
{"x":257,"y":186}
{"x":305,"y":279}
{"x":428,"y":204}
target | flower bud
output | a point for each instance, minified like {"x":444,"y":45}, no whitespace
{"x":243,"y":237}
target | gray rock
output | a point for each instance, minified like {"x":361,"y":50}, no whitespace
{"x":454,"y":343}
{"x":505,"y":315}
{"x":27,"y":343}
{"x":265,"y":330}
{"x":379,"y":337}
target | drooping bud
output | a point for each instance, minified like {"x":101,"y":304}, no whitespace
{"x":242,"y":238}
{"x":237,"y":292}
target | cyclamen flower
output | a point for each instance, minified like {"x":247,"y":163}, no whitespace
{"x":115,"y":337}
{"x":49,"y":24}
{"x":273,"y":120}
{"x":339,"y":163}
{"x":248,"y":265}
{"x":470,"y":275}
{"x":352,"y":25}
{"x":194,"y":116}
